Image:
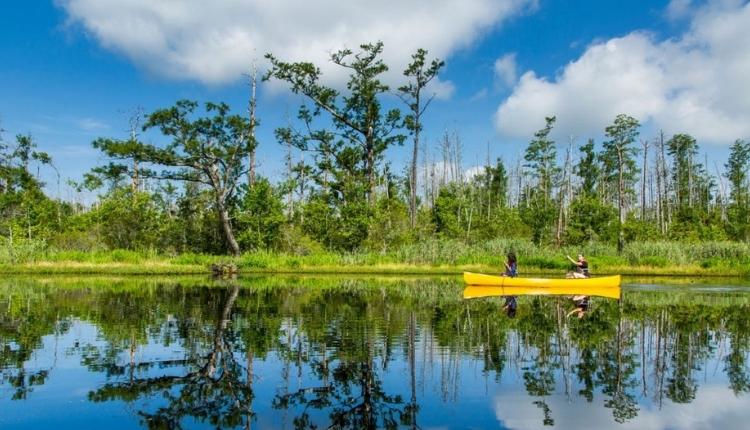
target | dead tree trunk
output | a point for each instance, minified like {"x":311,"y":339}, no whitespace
{"x":253,"y":122}
{"x":644,"y":143}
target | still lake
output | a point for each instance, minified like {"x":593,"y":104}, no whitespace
{"x":368,"y":352}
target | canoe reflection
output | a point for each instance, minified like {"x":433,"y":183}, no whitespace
{"x":473,"y":292}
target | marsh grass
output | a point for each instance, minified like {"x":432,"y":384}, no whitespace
{"x":434,"y":256}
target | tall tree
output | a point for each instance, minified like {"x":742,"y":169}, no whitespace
{"x":498,"y":184}
{"x":252,"y":105}
{"x":420,"y":74}
{"x":538,"y":209}
{"x":738,"y":213}
{"x":619,"y":160}
{"x":358,"y":118}
{"x":541,"y":158}
{"x":208,"y":150}
{"x":683,"y":149}
{"x":588,"y":168}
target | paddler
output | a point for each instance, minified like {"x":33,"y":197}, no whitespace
{"x":511,"y":266}
{"x":582,"y":268}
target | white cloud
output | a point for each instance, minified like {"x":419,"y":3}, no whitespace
{"x":442,"y":89}
{"x":214,"y":42}
{"x":715,"y":407}
{"x":678,"y":9}
{"x":91,"y":124}
{"x":694,"y":84}
{"x":505,"y":70}
{"x":479,"y":95}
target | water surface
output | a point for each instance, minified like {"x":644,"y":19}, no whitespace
{"x":295,"y":353}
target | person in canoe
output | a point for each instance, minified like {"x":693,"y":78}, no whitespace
{"x":582,"y":306}
{"x":511,"y":266}
{"x":581,"y":268}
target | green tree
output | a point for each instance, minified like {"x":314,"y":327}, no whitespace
{"x":449,"y":212}
{"x":537,"y":207}
{"x":541,"y":158}
{"x":683,"y":149}
{"x":363,"y":130}
{"x":25,"y":211}
{"x":130,"y":220}
{"x":620,"y":165}
{"x":207,"y":150}
{"x":738,"y":213}
{"x":260,"y":216}
{"x":497,"y":184}
{"x":588,"y":168}
{"x":590,"y":220}
{"x":419,"y":74}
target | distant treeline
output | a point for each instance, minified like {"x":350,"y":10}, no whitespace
{"x":199,"y":192}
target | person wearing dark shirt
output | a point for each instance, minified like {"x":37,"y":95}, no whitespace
{"x":581,"y":269}
{"x":511,"y":266}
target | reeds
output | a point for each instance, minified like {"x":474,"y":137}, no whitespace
{"x":431,"y":256}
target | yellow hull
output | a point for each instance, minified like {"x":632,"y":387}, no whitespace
{"x":474,"y":291}
{"x":606,"y":286}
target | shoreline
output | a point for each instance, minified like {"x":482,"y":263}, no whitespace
{"x":162,"y":267}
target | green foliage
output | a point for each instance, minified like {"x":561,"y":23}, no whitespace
{"x":186,"y":193}
{"x":365,"y":131}
{"x":541,"y":158}
{"x":129,"y":220}
{"x":738,"y":212}
{"x":619,"y":152}
{"x":389,"y":227}
{"x":340,"y":227}
{"x":260,"y":217}
{"x":639,"y":230}
{"x":206,"y":150}
{"x":590,"y":221}
{"x":687,"y":174}
{"x":537,"y":208}
{"x":619,"y":164}
{"x":588,"y":168}
{"x":448,"y":211}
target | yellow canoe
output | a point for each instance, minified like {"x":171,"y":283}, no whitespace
{"x":605,"y":286}
{"x":475,"y":291}
{"x":506,"y":281}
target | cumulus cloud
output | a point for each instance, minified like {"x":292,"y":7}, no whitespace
{"x":678,"y":9}
{"x":715,"y":407}
{"x":505,"y":70}
{"x":214,"y":42}
{"x":695,"y":83}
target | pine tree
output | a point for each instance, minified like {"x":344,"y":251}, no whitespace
{"x":620,"y":165}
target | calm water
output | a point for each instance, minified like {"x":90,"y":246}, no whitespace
{"x":367,"y":353}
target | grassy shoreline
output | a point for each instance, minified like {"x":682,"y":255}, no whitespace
{"x":167,"y":268}
{"x":429,"y":258}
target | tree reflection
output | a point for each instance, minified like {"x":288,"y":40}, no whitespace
{"x":365,"y":355}
{"x":735,"y":363}
{"x":217,"y":392}
{"x":352,"y":390}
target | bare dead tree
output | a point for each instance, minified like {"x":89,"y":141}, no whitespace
{"x":135,"y":122}
{"x":644,"y":144}
{"x":252,"y":104}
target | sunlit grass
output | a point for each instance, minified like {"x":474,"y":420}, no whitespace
{"x":435,"y":256}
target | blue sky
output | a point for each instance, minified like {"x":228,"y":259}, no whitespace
{"x":73,"y":69}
